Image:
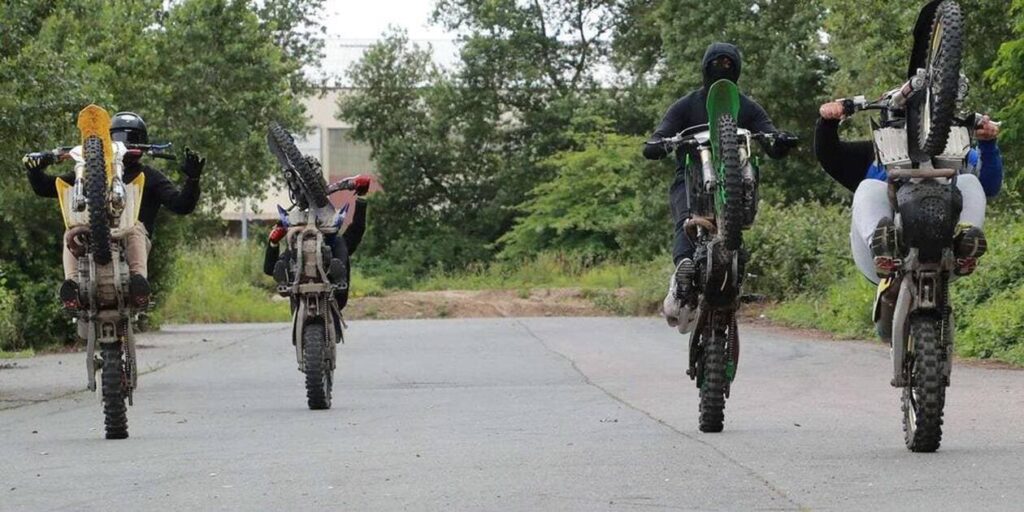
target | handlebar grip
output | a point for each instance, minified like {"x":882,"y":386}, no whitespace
{"x":849,"y":107}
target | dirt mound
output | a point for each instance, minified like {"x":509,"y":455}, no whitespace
{"x":475,"y":304}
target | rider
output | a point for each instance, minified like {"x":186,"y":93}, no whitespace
{"x":721,"y":61}
{"x":129,"y":128}
{"x":342,"y":247}
{"x":872,"y":233}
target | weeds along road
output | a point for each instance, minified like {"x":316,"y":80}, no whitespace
{"x":501,"y":414}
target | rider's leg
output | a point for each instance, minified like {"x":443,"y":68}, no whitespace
{"x":69,"y":297}
{"x":340,"y":269}
{"x":969,"y":240}
{"x":679,"y":204}
{"x":678,"y":313}
{"x":973,"y":212}
{"x":870,"y":208}
{"x":137,"y":245}
{"x":136,"y":253}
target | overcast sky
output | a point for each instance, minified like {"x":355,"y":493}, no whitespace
{"x":354,"y":24}
{"x":367,"y":19}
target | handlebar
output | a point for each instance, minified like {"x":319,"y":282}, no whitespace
{"x":345,"y":184}
{"x":689,"y":141}
{"x":161,"y":151}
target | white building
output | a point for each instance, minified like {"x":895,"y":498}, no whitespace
{"x":329,"y":141}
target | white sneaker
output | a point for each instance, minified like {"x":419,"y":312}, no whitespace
{"x":675,"y":312}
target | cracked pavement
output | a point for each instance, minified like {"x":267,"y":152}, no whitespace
{"x":502,"y":414}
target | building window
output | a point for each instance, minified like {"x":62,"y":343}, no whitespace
{"x":346,"y":157}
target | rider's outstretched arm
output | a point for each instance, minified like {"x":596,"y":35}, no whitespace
{"x":178,"y":201}
{"x":846,"y":162}
{"x":991,"y":173}
{"x":45,"y":185}
{"x":273,"y":251}
{"x":354,"y":234}
{"x":671,"y":124}
{"x":758,"y":121}
{"x":270,"y":257}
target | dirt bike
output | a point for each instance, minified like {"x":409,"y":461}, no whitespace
{"x":723,"y":191}
{"x":923,"y":145}
{"x":98,"y":210}
{"x":305,"y":276}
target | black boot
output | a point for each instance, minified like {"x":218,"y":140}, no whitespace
{"x":336,"y":272}
{"x":969,"y":244}
{"x":70,"y":298}
{"x":139,"y":291}
{"x":883,"y":248}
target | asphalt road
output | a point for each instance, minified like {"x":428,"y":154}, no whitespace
{"x":502,"y":414}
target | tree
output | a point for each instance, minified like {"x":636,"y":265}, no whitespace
{"x":205,"y":73}
{"x":462,"y":149}
{"x":604,"y":201}
{"x":785,"y":68}
{"x":1007,"y":78}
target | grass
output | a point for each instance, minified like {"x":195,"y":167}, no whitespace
{"x":547,"y":270}
{"x":20,"y":354}
{"x":619,"y":288}
{"x":844,"y":309}
{"x":221,"y":282}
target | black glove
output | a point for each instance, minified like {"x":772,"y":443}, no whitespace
{"x":36,"y":162}
{"x":655,"y":149}
{"x":786,"y":140}
{"x":193,"y":165}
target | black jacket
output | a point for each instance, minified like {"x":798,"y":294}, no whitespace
{"x":691,"y":110}
{"x":846,"y":162}
{"x":158,"y":191}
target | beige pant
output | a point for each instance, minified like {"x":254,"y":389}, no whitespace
{"x":136,"y":251}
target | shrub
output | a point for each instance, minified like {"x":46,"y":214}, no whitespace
{"x":798,"y":248}
{"x":9,"y":339}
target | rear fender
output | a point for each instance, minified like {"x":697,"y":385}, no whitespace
{"x":93,"y":121}
{"x":723,"y":98}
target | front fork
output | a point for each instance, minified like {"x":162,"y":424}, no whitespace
{"x":311,"y":307}
{"x":118,"y":192}
{"x":750,"y":195}
{"x":707,"y":324}
{"x":920,"y":293}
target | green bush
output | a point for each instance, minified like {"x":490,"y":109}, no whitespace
{"x":606,"y":200}
{"x":988,"y":305}
{"x":798,"y":248}
{"x":8,"y":321}
{"x":844,"y":308}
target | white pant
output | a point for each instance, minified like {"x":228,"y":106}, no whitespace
{"x":871,"y":205}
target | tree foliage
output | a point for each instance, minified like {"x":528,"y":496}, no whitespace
{"x":203,"y":73}
{"x":527,"y":115}
{"x":603,"y":199}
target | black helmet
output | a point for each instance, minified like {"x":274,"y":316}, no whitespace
{"x":129,"y":128}
{"x":713,"y":72}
